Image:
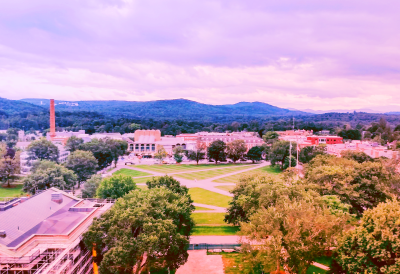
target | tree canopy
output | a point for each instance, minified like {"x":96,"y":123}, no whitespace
{"x":46,"y":174}
{"x":90,"y":186}
{"x":216,"y":151}
{"x":255,"y":153}
{"x":83,"y":164}
{"x":236,"y":150}
{"x":73,"y":143}
{"x":143,"y":231}
{"x":43,"y":149}
{"x":115,"y":187}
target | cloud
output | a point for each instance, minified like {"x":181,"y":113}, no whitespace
{"x":299,"y":54}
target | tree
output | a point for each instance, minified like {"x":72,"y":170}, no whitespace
{"x":256,"y":191}
{"x":46,"y":174}
{"x":293,"y":162}
{"x":291,"y":234}
{"x":115,"y":187}
{"x":362,"y":186}
{"x":198,"y":153}
{"x":101,"y":151}
{"x":351,"y":134}
{"x":255,"y":153}
{"x":83,"y":164}
{"x":280,"y":150}
{"x":271,"y":137}
{"x":73,"y":143}
{"x":118,"y":148}
{"x":169,"y":183}
{"x":310,"y":152}
{"x":143,"y":231}
{"x":236,"y":150}
{"x":358,"y":156}
{"x":373,"y":246}
{"x":90,"y":186}
{"x":216,"y":151}
{"x":9,"y":164}
{"x":160,"y":154}
{"x":178,"y":154}
{"x":43,"y":149}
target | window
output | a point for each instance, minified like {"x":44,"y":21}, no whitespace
{"x":136,"y":146}
{"x":131,"y":147}
{"x":142,"y":147}
{"x":153,"y":147}
{"x":147,"y":147}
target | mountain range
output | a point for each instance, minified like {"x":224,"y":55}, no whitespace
{"x":172,"y":109}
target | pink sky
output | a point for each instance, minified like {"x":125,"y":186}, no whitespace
{"x":295,"y":54}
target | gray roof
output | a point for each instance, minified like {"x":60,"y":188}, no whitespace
{"x":39,"y":215}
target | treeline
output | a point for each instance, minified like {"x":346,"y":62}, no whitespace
{"x":93,"y":122}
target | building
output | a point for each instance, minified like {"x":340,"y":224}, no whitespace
{"x":251,"y":139}
{"x":372,"y":149}
{"x":300,"y":132}
{"x":42,"y":234}
{"x":328,"y":140}
{"x":147,"y":142}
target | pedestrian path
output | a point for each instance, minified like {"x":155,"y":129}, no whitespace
{"x":214,"y":209}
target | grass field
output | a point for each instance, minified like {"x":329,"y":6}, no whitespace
{"x":235,"y":178}
{"x":316,"y":270}
{"x":214,"y":230}
{"x":131,"y":173}
{"x":207,"y":197}
{"x":209,"y":218}
{"x":142,"y":180}
{"x":201,"y":175}
{"x":142,"y":187}
{"x":180,"y":168}
{"x":13,"y":191}
{"x":226,"y":188}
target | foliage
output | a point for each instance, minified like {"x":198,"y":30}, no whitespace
{"x":362,"y":186}
{"x":101,"y":150}
{"x":335,"y":205}
{"x":279,"y":151}
{"x":43,"y":149}
{"x":46,"y":174}
{"x":293,"y":162}
{"x":373,"y":246}
{"x":351,"y":134}
{"x":9,"y":164}
{"x":73,"y":143}
{"x":115,"y":187}
{"x":216,"y":151}
{"x":144,"y":230}
{"x":161,"y":153}
{"x":90,"y":186}
{"x":255,"y":153}
{"x":170,"y":183}
{"x":198,"y":153}
{"x":236,"y":150}
{"x":310,"y":152}
{"x":271,"y":137}
{"x":257,"y":191}
{"x":291,"y":233}
{"x":358,"y":156}
{"x":118,"y":148}
{"x":178,"y":154}
{"x":83,"y":164}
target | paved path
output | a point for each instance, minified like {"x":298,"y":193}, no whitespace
{"x":201,"y":263}
{"x":233,"y":239}
{"x":322,"y":266}
{"x":214,"y":209}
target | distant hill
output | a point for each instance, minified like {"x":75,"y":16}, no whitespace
{"x":11,"y":107}
{"x":169,"y":109}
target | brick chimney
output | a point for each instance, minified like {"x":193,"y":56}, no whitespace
{"x":52,"y":120}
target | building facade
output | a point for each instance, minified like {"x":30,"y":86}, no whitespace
{"x":42,"y":234}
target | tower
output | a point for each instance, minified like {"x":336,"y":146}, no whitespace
{"x":52,"y":120}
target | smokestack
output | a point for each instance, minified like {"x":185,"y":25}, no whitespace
{"x":52,"y":119}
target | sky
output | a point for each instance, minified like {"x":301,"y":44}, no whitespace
{"x":302,"y":54}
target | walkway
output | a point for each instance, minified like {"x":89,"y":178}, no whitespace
{"x":199,"y":263}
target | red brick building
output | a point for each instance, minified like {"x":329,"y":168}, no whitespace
{"x":329,"y":140}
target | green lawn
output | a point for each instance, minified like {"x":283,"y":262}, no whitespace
{"x":207,"y":197}
{"x":201,"y":175}
{"x":131,"y":173}
{"x":235,"y":178}
{"x":214,"y":230}
{"x":324,"y":260}
{"x":202,"y":208}
{"x":13,"y":191}
{"x":316,"y":270}
{"x":142,"y":180}
{"x":209,"y":218}
{"x":142,"y":187}
{"x":226,"y":188}
{"x":235,"y":263}
{"x":180,"y":168}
